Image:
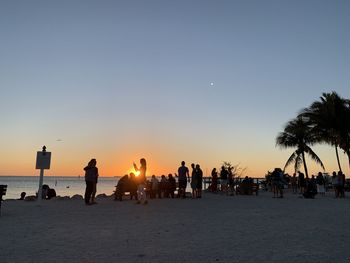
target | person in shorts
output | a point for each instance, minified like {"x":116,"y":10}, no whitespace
{"x":184,"y":175}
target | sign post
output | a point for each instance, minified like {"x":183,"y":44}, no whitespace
{"x":43,"y":160}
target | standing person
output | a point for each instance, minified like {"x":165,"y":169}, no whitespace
{"x":231,"y":182}
{"x":335,"y":184}
{"x":199,"y":174}
{"x":223,"y":179}
{"x":320,"y":184}
{"x":302,"y":182}
{"x":194,"y":180}
{"x":154,"y":186}
{"x":163,"y":185}
{"x":171,"y":185}
{"x":277,"y":183}
{"x":91,"y":175}
{"x":294,"y":183}
{"x":341,"y":184}
{"x":141,"y":182}
{"x":183,"y":176}
{"x":214,"y":180}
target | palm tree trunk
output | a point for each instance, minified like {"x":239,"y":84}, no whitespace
{"x":305,"y":167}
{"x":336,"y":152}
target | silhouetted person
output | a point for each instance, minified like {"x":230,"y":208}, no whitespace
{"x":51,"y":193}
{"x":194,"y":180}
{"x":23,"y":195}
{"x":223,"y":179}
{"x":141,"y":181}
{"x":311,"y":189}
{"x":163,"y":187}
{"x":183,"y":176}
{"x":231,"y":182}
{"x":154,"y":186}
{"x":302,"y":182}
{"x":341,"y":184}
{"x":91,"y":175}
{"x":199,"y":173}
{"x":132,"y":186}
{"x":294,"y":183}
{"x":277,"y":182}
{"x":320,"y":184}
{"x":45,"y":189}
{"x":214,"y":180}
{"x":171,"y":185}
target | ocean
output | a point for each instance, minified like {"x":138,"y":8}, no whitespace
{"x":64,"y":185}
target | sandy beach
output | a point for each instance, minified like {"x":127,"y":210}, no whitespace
{"x":215,"y":228}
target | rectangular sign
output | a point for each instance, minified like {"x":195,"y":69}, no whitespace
{"x":43,"y":160}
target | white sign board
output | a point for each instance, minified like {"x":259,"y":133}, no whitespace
{"x":43,"y":160}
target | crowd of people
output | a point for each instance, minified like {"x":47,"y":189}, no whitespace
{"x":142,"y":189}
{"x":306,"y":186}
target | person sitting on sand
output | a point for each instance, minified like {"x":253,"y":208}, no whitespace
{"x":51,"y":193}
{"x":120,"y":188}
{"x":132,"y":186}
{"x":141,"y":182}
{"x":23,"y":195}
{"x":45,"y":189}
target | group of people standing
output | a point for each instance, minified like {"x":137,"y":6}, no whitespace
{"x":91,"y":178}
{"x":196,"y":180}
{"x":227,"y":181}
{"x":338,"y":182}
{"x":309,"y":187}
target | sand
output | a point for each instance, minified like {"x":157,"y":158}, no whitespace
{"x":215,"y":228}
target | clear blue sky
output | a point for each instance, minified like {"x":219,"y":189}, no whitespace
{"x":118,"y":80}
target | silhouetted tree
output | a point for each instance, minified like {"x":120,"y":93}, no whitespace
{"x":329,"y":121}
{"x":297,"y":134}
{"x":235,"y":170}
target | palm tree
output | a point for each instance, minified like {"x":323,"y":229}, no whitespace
{"x":345,"y":132}
{"x":297,"y":133}
{"x":329,"y":119}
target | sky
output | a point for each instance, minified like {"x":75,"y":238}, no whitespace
{"x":199,"y":81}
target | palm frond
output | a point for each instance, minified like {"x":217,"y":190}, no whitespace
{"x":314,"y":156}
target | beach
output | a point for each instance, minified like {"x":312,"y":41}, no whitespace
{"x":215,"y":228}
